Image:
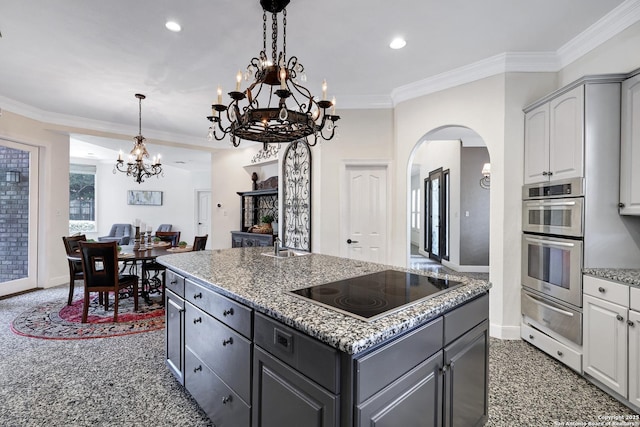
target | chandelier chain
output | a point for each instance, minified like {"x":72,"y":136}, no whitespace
{"x":284,"y":36}
{"x":264,"y":31}
{"x":274,"y":38}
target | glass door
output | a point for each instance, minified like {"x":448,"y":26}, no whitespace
{"x":18,"y":217}
{"x":437,"y":218}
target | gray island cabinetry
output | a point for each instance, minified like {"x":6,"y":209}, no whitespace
{"x":252,"y":354}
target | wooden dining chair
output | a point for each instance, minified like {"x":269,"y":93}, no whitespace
{"x":100,"y":268}
{"x":199,"y":242}
{"x":72,"y":246}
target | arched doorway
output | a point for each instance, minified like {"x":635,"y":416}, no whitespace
{"x":449,"y":206}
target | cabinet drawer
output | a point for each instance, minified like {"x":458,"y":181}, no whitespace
{"x":221,"y":348}
{"x":312,"y":358}
{"x":227,"y":311}
{"x":555,"y":349}
{"x":380,"y":367}
{"x":175,"y":283}
{"x":462,"y":319}
{"x":607,"y":290}
{"x":634,"y":298}
{"x":223,"y":406}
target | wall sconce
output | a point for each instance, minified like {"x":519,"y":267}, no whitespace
{"x":12,"y":176}
{"x":485,"y":181}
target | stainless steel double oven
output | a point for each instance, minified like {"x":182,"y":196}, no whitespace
{"x":552,"y":257}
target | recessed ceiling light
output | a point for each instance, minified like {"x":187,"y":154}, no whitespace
{"x":398,"y":43}
{"x":173,"y":26}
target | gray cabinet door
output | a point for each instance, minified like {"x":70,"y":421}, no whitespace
{"x":174,"y":330}
{"x":466,"y":377}
{"x":283,"y":397}
{"x":415,"y":399}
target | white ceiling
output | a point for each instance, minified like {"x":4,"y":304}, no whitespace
{"x":80,"y":62}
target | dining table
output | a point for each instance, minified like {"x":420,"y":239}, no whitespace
{"x":131,"y":258}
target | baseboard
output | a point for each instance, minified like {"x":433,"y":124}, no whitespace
{"x":56,"y":281}
{"x":504,"y":332}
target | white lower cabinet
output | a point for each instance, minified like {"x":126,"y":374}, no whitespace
{"x":605,"y":343}
{"x":612,"y":337}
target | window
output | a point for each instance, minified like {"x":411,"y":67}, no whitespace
{"x":82,"y":201}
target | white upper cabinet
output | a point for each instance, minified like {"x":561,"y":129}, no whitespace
{"x":630,"y":148}
{"x":554,"y":139}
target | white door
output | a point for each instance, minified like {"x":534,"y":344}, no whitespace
{"x":365,"y":213}
{"x":634,"y":357}
{"x":19,"y":190}
{"x":203,"y":214}
{"x":566,"y":135}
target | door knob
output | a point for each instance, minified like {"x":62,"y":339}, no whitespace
{"x":349,"y":241}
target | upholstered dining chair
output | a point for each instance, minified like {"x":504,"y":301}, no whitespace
{"x":164,"y":227}
{"x":169,"y":236}
{"x":72,"y":246}
{"x":199,"y":242}
{"x":120,"y":233}
{"x":100,"y":268}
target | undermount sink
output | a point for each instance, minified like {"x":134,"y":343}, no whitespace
{"x":286,"y":253}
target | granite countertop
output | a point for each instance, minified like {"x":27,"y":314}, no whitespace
{"x":628,"y":276}
{"x":262,"y":282}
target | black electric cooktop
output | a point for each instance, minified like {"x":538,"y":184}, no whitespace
{"x":375,"y":295}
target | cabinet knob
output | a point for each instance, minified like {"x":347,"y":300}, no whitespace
{"x":602,"y":290}
{"x":228,"y":312}
{"x":630,"y":323}
{"x":620,"y":318}
{"x":544,"y":173}
{"x":199,"y":368}
{"x":621,"y":205}
{"x":560,"y":353}
{"x":549,"y":173}
{"x":198,"y":295}
{"x":197,"y":320}
{"x":227,"y":399}
{"x":530,"y":336}
{"x":227,"y":342}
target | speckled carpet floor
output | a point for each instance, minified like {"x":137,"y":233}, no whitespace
{"x":122,"y":381}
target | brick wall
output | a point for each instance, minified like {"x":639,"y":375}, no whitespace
{"x":14,"y":215}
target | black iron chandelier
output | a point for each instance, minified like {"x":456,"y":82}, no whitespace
{"x":292,"y":114}
{"x":136,"y":166}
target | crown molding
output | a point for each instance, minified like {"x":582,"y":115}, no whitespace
{"x":613,"y":23}
{"x":58,"y":119}
{"x":610,"y":25}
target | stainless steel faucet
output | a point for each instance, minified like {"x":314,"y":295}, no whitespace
{"x":276,"y":246}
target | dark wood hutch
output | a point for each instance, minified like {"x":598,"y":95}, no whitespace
{"x":261,"y":200}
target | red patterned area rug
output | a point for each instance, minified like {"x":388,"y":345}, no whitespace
{"x":58,"y":321}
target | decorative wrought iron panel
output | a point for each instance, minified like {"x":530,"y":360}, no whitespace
{"x":296,"y":192}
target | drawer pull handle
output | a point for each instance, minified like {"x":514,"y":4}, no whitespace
{"x":620,"y":318}
{"x":198,"y":295}
{"x":630,"y":323}
{"x":602,"y":290}
{"x":227,"y":399}
{"x":530,"y":336}
{"x":559,"y":353}
{"x":174,"y":282}
{"x":229,"y":342}
{"x":228,"y":312}
{"x":199,"y":368}
{"x":198,"y":320}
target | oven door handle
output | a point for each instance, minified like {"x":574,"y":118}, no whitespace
{"x":541,"y":204}
{"x":550,"y":242}
{"x":550,"y":307}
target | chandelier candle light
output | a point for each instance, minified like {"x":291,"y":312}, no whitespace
{"x":136,"y":167}
{"x":291,"y":115}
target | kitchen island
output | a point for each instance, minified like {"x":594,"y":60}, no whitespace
{"x":252,"y":353}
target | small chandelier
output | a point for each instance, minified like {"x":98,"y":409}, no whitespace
{"x":136,"y":167}
{"x":292,"y":114}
